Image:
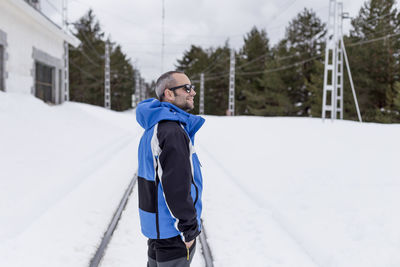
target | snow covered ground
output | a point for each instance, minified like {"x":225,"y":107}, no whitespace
{"x":64,"y":170}
{"x":300,"y":192}
{"x":277,"y":191}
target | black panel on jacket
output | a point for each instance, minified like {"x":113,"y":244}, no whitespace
{"x":177,"y":177}
{"x":147,"y":191}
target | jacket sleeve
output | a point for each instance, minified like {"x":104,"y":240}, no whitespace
{"x":176,"y":177}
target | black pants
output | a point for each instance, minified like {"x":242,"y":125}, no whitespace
{"x":169,"y":252}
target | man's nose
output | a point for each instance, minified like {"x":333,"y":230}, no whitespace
{"x":193,"y":92}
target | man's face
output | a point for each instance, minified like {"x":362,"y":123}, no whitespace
{"x":182,"y":99}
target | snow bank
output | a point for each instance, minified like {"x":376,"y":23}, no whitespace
{"x":301,"y":192}
{"x":64,"y":170}
{"x":277,"y":191}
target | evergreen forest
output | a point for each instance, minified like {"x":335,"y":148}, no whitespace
{"x":285,"y":79}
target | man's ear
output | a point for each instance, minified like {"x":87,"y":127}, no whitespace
{"x":168,"y":94}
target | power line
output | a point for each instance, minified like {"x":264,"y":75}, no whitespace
{"x":281,"y":12}
{"x":88,"y":58}
{"x":373,"y":40}
{"x":118,"y":16}
{"x":279,"y":26}
{"x":219,"y":74}
{"x":376,"y":18}
{"x":266,"y":70}
{"x":298,"y":63}
{"x":152,"y":53}
{"x":253,"y":60}
{"x":85,"y":72}
{"x":223,"y":74}
{"x":384,"y":30}
{"x":90,"y":43}
{"x":108,"y":13}
{"x":278,"y":58}
{"x":212,"y":66}
{"x":158,"y":44}
{"x":122,"y":75}
{"x":280,"y":68}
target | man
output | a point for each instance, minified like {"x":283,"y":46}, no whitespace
{"x":169,"y":175}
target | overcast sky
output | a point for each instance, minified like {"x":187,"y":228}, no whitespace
{"x":137,"y":25}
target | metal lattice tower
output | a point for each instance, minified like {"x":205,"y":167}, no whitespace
{"x":201,"y":109}
{"x":107,"y":95}
{"x":137,"y":88}
{"x":335,"y":53}
{"x":331,"y":77}
{"x":231,"y":107}
{"x":142,"y":90}
{"x":339,"y":63}
{"x":66,"y":50}
{"x":163,"y":37}
{"x":66,"y":72}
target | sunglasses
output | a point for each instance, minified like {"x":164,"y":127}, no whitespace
{"x":188,"y":87}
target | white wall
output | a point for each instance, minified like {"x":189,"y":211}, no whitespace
{"x":24,"y":33}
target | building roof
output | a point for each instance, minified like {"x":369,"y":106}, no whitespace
{"x":44,"y":21}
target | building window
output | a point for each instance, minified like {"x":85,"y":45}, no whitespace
{"x":44,"y":82}
{"x":2,"y":68}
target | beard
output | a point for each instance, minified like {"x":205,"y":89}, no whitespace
{"x":183,"y":103}
{"x":186,"y":107}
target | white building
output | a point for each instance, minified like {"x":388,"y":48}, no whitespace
{"x":33,"y":52}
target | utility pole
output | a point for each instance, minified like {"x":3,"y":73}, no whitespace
{"x":231,"y":107}
{"x":339,"y":62}
{"x":142,"y":90}
{"x":66,"y":51}
{"x":330,"y":78}
{"x":201,"y":109}
{"x":163,"y":40}
{"x":332,"y":100}
{"x":137,"y":88}
{"x":66,"y":71}
{"x":107,"y":95}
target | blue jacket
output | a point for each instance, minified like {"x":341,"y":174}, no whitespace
{"x":169,"y":176}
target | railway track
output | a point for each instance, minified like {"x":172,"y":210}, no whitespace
{"x":101,"y":250}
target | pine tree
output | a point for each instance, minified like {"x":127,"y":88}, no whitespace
{"x":86,"y":62}
{"x":217,"y":81}
{"x":213,"y":63}
{"x":122,"y":80}
{"x":250,"y":63}
{"x":375,"y":63}
{"x":296,"y":61}
{"x":304,"y":37}
{"x":192,"y":63}
{"x":315,"y":89}
{"x":87,"y":67}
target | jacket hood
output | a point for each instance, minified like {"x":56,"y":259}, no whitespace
{"x":151,"y":111}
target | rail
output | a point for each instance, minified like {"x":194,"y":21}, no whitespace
{"x":95,"y":261}
{"x":207,"y":255}
{"x":111,"y":227}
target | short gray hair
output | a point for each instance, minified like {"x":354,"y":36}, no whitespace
{"x":165,"y":81}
